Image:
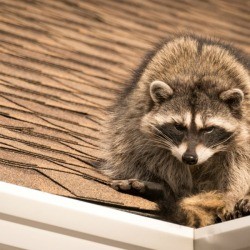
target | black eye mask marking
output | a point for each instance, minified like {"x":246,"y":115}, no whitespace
{"x":210,"y":136}
{"x":216,"y":136}
{"x":174,"y":132}
{"x":180,"y":127}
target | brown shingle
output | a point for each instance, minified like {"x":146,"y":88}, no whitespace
{"x":61,"y":64}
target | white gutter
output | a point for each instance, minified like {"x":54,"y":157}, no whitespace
{"x":30,"y":219}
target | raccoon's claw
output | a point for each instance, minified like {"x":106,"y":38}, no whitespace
{"x":232,"y":215}
{"x":225,"y":215}
{"x":128,"y":185}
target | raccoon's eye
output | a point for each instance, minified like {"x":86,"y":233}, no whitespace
{"x":208,"y":130}
{"x":180,"y":127}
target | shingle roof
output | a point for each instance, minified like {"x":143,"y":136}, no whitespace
{"x":62,"y":63}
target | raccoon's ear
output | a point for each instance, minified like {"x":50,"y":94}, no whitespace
{"x":232,"y":97}
{"x":160,"y":91}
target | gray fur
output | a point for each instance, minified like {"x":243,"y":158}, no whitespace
{"x":202,"y":76}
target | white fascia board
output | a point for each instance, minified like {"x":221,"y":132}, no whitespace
{"x":31,"y":219}
{"x":17,"y":235}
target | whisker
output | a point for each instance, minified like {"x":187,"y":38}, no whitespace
{"x":213,"y":146}
{"x":162,"y":135}
{"x":203,"y":151}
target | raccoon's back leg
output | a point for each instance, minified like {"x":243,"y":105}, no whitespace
{"x":197,"y":210}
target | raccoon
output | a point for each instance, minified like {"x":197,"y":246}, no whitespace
{"x":181,"y":130}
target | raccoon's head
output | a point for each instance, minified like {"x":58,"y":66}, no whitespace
{"x":193,"y":126}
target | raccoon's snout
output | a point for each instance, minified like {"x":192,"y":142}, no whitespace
{"x":190,"y":158}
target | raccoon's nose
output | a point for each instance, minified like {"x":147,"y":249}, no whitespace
{"x":190,"y":159}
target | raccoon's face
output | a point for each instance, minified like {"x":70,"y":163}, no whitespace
{"x":193,"y":127}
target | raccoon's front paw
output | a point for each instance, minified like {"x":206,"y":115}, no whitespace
{"x":129,"y":185}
